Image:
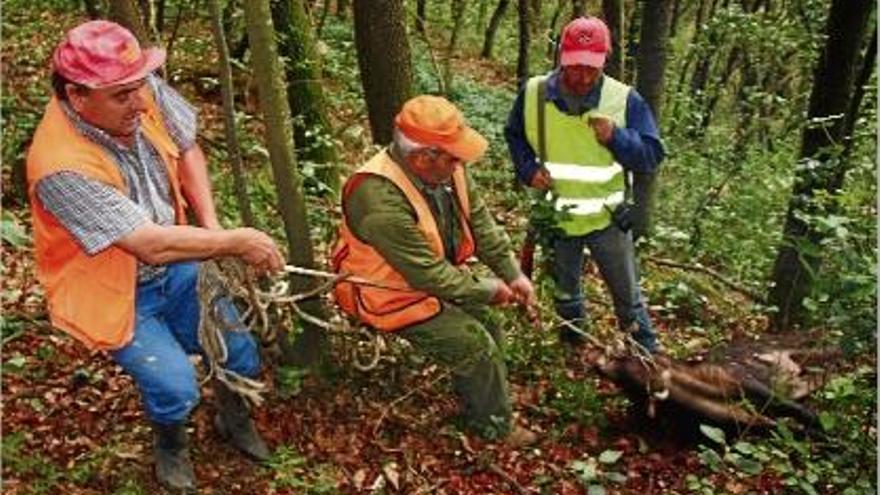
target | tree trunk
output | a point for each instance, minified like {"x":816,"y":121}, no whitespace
{"x":384,"y":61}
{"x":492,"y":28}
{"x":421,"y":15}
{"x":233,"y":150}
{"x":522,"y":61}
{"x":309,"y":346}
{"x":482,"y":11}
{"x":822,"y":171}
{"x":458,"y":9}
{"x":651,"y":71}
{"x":305,"y":94}
{"x":612,"y":11}
{"x":93,"y":9}
{"x":160,"y":16}
{"x":578,"y":8}
{"x":676,"y":14}
{"x":128,"y":14}
{"x":554,"y":32}
{"x":342,"y":7}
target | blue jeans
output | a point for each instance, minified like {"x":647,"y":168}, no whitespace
{"x":165,"y":332}
{"x":613,"y":252}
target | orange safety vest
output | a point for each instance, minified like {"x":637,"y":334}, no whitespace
{"x":89,"y":297}
{"x":392,"y":304}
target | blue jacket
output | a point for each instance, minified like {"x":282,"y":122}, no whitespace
{"x":637,"y":147}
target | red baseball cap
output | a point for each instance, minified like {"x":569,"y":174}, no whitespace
{"x":98,"y":54}
{"x":585,"y":41}
{"x":435,"y":121}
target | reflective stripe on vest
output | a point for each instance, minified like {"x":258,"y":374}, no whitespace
{"x":391,"y":304}
{"x":586,"y":179}
{"x":89,"y":297}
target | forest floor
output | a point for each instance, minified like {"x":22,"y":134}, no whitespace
{"x":73,"y":423}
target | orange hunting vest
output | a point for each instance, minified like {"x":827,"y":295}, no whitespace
{"x":395,"y":304}
{"x":89,"y":297}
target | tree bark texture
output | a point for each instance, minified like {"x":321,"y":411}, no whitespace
{"x":305,"y":94}
{"x":384,"y":61}
{"x":651,"y":71}
{"x":233,"y":150}
{"x":821,"y":168}
{"x":309,"y":346}
{"x":612,"y":12}
{"x":128,"y":14}
{"x":492,"y":28}
{"x":522,"y":61}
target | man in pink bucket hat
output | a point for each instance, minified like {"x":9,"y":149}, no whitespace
{"x":579,"y":134}
{"x":112,"y":170}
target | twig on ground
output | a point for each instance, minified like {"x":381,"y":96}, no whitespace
{"x":495,"y":468}
{"x":697,"y":267}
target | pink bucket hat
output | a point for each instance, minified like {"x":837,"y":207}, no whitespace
{"x":585,"y":41}
{"x":98,"y":54}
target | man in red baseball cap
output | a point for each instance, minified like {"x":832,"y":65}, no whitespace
{"x":412,"y":217}
{"x":579,"y":133}
{"x":112,"y":169}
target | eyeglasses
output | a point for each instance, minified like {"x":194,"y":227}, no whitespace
{"x":441,"y":157}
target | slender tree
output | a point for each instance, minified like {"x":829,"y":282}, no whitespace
{"x":384,"y":61}
{"x":651,"y":60}
{"x":613,"y":13}
{"x":342,"y":7}
{"x":128,"y":14}
{"x":226,"y":90}
{"x":309,"y":346}
{"x":522,"y":60}
{"x":822,"y":170}
{"x":305,"y":93}
{"x":93,"y":8}
{"x":421,"y":15}
{"x":458,"y":10}
{"x":492,"y":28}
{"x":482,"y":11}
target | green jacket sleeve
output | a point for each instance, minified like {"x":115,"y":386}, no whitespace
{"x":379,"y":214}
{"x":493,"y":245}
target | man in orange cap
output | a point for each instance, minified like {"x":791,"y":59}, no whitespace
{"x":578,"y":133}
{"x":412,"y":218}
{"x":111,"y":170}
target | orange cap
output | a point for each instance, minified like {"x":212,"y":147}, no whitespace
{"x":434,"y":121}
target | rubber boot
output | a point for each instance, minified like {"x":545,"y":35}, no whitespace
{"x":234,"y":424}
{"x":171,"y":452}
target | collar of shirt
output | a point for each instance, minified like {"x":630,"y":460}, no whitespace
{"x":555,"y":90}
{"x":96,"y":134}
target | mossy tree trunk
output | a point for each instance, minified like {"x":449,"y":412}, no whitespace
{"x":305,"y":95}
{"x":309,"y":345}
{"x":823,"y":162}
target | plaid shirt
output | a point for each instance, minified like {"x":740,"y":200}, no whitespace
{"x":98,"y":215}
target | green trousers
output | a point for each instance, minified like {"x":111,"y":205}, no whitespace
{"x":464,"y":339}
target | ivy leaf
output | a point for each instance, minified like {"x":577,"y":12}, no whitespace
{"x":610,"y":456}
{"x":714,"y":434}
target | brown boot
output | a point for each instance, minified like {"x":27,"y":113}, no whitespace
{"x":520,"y":437}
